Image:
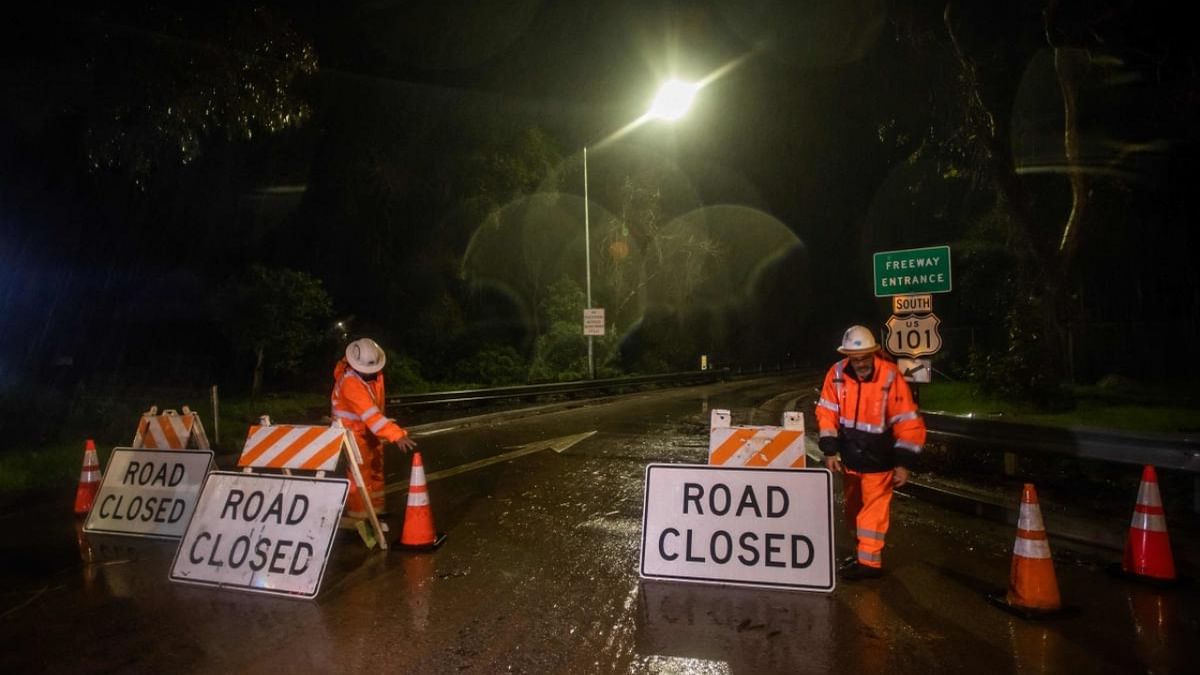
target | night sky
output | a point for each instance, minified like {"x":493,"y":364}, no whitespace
{"x":835,"y":130}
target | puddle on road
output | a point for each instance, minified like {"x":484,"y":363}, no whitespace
{"x":727,"y":629}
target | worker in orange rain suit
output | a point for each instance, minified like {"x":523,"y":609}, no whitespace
{"x":870,"y":432}
{"x":357,"y":401}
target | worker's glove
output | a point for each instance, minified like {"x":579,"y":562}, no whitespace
{"x":828,"y":445}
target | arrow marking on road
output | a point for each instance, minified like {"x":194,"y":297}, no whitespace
{"x":559,"y":445}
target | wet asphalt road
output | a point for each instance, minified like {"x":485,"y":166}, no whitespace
{"x":539,"y":575}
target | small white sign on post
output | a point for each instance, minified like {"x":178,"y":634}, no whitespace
{"x":148,"y":493}
{"x":919,"y":371}
{"x":593,"y":321}
{"x":262,"y":533}
{"x":748,"y":527}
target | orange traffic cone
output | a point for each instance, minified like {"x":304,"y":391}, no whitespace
{"x":1032,"y":587}
{"x":1148,"y":548}
{"x":419,"y":533}
{"x":89,"y":480}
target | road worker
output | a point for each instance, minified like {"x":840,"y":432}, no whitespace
{"x":870,"y":431}
{"x":358,"y":401}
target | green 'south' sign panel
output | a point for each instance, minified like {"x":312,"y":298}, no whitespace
{"x":912,"y":271}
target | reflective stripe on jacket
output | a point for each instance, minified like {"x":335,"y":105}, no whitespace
{"x":359,"y":405}
{"x":876,"y":422}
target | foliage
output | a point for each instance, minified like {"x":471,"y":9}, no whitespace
{"x":274,"y":314}
{"x":1020,"y":97}
{"x":493,"y":366}
{"x":644,"y":257}
{"x":1161,"y":409}
{"x":167,"y":89}
{"x":560,"y":353}
{"x":503,"y":169}
{"x":1017,"y":370}
{"x":402,"y":374}
{"x":110,"y":419}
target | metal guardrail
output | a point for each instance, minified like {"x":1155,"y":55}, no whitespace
{"x":559,"y":388}
{"x":1180,"y":452}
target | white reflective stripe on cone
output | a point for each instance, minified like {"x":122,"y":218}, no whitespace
{"x":1032,"y":548}
{"x":1030,"y":518}
{"x":1154,"y":522}
{"x":418,"y":476}
{"x":418,"y":499}
{"x":1148,"y":495}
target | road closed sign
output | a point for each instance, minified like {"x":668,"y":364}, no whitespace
{"x":262,"y":533}
{"x":741,"y":526}
{"x":148,"y":493}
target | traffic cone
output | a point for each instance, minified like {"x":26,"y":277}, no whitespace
{"x":1148,"y":548}
{"x":1032,"y":587}
{"x":418,"y":533}
{"x":89,"y":480}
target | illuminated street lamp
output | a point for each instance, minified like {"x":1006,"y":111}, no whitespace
{"x":672,"y":102}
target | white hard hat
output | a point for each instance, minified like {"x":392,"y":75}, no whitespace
{"x":858,"y":340}
{"x":366,"y":356}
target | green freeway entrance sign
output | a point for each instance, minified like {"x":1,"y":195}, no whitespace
{"x":912,"y":271}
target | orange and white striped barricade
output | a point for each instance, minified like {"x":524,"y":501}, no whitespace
{"x":290,"y":447}
{"x":170,"y":431}
{"x":779,"y":447}
{"x":266,"y":529}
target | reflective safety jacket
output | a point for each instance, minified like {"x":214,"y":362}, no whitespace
{"x":873,"y":424}
{"x":359,"y":405}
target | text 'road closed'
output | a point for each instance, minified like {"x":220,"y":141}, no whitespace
{"x":262,"y":533}
{"x":149,"y":493}
{"x":747,"y":526}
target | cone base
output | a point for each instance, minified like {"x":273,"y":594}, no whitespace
{"x":437,"y":541}
{"x":1118,"y":570}
{"x":999,"y":598}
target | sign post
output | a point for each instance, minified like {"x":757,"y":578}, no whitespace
{"x":763,"y":527}
{"x":911,"y":276}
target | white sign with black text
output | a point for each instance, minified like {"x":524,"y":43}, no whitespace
{"x":593,"y":321}
{"x":913,"y":335}
{"x":741,"y":526}
{"x":263,"y":533}
{"x":919,"y":371}
{"x":148,"y":493}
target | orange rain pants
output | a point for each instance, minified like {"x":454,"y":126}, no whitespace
{"x":868,"y":511}
{"x":372,"y":472}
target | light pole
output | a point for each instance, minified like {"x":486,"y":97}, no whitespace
{"x":672,"y":102}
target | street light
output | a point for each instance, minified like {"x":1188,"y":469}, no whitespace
{"x":672,"y":102}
